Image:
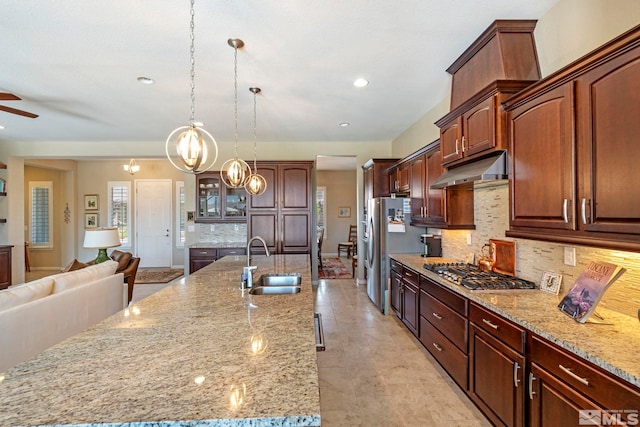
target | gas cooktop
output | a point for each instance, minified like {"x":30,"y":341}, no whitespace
{"x":472,"y":278}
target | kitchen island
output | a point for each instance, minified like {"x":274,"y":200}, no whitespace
{"x":200,"y":352}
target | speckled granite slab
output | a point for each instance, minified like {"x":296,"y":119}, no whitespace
{"x":611,"y":346}
{"x":239,"y":244}
{"x":189,"y":355}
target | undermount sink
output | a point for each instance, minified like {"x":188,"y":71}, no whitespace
{"x":274,"y":290}
{"x":279,"y":279}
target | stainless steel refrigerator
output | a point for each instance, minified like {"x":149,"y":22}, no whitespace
{"x":388,"y":232}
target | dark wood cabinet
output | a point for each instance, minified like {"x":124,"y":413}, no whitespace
{"x":572,"y":151}
{"x":5,"y":266}
{"x":496,"y":367}
{"x":409,"y":299}
{"x":201,"y":257}
{"x":399,"y":178}
{"x":396,"y":285}
{"x":417,"y":189}
{"x":375,"y":178}
{"x":560,"y":385}
{"x":282,"y":215}
{"x":217,"y":203}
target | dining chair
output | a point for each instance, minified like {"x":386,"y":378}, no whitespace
{"x":350,"y":245}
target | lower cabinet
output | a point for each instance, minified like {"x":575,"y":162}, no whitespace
{"x":409,"y":299}
{"x":201,"y":257}
{"x":5,"y":266}
{"x":396,"y":284}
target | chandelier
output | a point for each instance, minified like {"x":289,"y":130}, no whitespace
{"x":256,"y":184}
{"x":132,"y":167}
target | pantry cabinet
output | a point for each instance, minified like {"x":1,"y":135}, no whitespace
{"x":282,"y":215}
{"x":572,"y":151}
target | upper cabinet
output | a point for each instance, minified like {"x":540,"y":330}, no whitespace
{"x":400,"y":178}
{"x":501,"y":62}
{"x":375,"y":178}
{"x":573,"y":151}
{"x":217,"y":203}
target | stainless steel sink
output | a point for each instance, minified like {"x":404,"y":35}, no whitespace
{"x":274,"y":290}
{"x":279,"y":279}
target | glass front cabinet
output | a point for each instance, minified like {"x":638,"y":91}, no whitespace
{"x":217,"y":203}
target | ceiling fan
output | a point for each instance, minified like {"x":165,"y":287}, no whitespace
{"x":5,"y":96}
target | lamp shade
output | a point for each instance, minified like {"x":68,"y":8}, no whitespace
{"x":101,"y":238}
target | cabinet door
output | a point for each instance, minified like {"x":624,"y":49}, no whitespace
{"x":417,"y":189}
{"x":496,"y":379}
{"x":608,"y":125}
{"x":394,"y":183}
{"x":5,"y":267}
{"x":404,"y":177}
{"x":235,"y":204}
{"x":396,"y":285}
{"x":294,"y":232}
{"x":450,"y":136}
{"x":269,"y":199}
{"x":409,"y":295}
{"x":209,"y":197}
{"x":434,"y":199}
{"x":552,"y":403}
{"x":264,"y":224}
{"x":541,"y":152}
{"x":478,"y":128}
{"x":367,"y":183}
{"x":294,"y":185}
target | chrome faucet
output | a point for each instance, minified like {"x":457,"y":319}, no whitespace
{"x":247,"y":272}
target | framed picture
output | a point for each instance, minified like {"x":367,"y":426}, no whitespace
{"x":90,"y":202}
{"x":91,"y":220}
{"x":344,"y":212}
{"x":551,"y":282}
{"x":190,"y":216}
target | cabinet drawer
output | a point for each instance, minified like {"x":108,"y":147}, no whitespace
{"x":600,"y":386}
{"x":454,"y":361}
{"x":411,"y":276}
{"x":395,"y":265}
{"x":451,"y":299}
{"x":509,"y":333}
{"x":447,"y":321}
{"x":203,"y":252}
{"x":230,"y":251}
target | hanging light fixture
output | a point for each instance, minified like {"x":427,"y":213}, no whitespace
{"x":256,"y":184}
{"x":234,"y":172}
{"x":191,"y":148}
{"x":132,"y":167}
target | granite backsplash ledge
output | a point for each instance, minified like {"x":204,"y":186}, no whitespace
{"x":533,"y":258}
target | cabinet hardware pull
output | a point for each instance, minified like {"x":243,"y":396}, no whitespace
{"x":531,"y":380}
{"x":437,"y":346}
{"x":457,"y":152}
{"x":463,"y":144}
{"x":574,"y":376}
{"x":516,"y":380}
{"x":488,"y":322}
{"x":565,"y":210}
{"x":437,"y":316}
{"x":584,"y":211}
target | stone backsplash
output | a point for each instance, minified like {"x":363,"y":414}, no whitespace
{"x":533,"y":258}
{"x":220,"y":233}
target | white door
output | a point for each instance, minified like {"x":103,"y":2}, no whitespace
{"x":153,"y":222}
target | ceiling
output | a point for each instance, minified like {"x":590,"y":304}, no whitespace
{"x":75,"y":64}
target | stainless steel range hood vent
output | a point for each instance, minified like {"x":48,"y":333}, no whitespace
{"x":486,"y":169}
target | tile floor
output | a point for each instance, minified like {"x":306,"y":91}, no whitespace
{"x":373,"y":372}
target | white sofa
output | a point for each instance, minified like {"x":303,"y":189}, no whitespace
{"x":37,"y":315}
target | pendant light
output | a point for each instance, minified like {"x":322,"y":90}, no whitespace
{"x":234,"y":172}
{"x":256,"y":184}
{"x":132,"y":167}
{"x":191,"y":149}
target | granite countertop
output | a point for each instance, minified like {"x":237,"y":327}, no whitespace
{"x":610,"y":346}
{"x":238,"y":244}
{"x":182,"y":357}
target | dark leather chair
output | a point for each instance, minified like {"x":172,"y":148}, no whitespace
{"x":128,"y":265}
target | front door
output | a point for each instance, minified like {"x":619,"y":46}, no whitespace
{"x":153,"y":222}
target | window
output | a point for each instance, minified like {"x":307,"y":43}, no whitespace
{"x":320,"y":207}
{"x":41,"y":217}
{"x":180,"y":214}
{"x":118,"y":209}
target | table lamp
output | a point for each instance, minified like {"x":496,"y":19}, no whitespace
{"x":101,"y":239}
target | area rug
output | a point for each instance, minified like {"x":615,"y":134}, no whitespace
{"x":333,"y":268}
{"x":157,"y":275}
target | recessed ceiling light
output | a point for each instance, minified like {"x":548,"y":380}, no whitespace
{"x":146,"y":80}
{"x":345,"y":124}
{"x":360,"y":82}
{"x":1,"y":127}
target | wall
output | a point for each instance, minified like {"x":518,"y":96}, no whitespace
{"x":581,"y":25}
{"x":341,"y":191}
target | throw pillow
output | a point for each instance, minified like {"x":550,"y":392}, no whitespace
{"x":74,"y":265}
{"x":122,"y":258}
{"x":16,"y":295}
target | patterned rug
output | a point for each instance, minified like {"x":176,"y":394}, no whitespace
{"x":332,"y":268}
{"x":157,"y":276}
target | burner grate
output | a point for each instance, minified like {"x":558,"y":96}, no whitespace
{"x":472,"y":278}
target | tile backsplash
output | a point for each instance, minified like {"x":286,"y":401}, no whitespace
{"x":221,"y":233}
{"x":533,"y":258}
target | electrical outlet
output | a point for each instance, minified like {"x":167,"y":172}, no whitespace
{"x":570,"y":256}
{"x":469,"y":239}
{"x":212,"y":227}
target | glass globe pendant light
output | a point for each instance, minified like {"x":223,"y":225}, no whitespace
{"x":256,"y":184}
{"x":191,"y":149}
{"x":234,"y":172}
